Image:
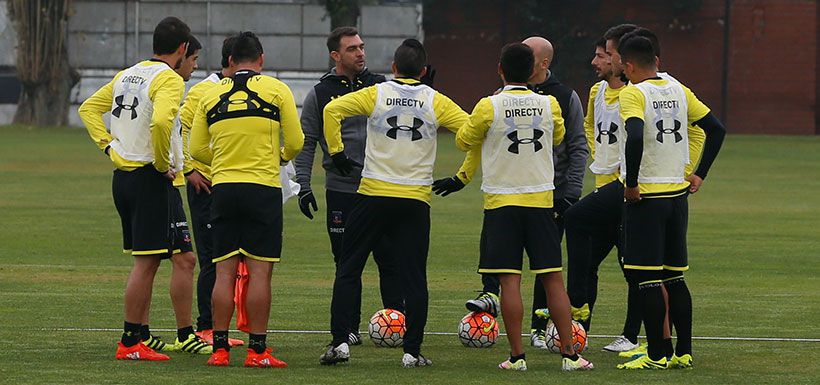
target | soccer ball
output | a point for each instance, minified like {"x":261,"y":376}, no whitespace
{"x":387,"y":328}
{"x":478,"y":330}
{"x":579,"y":337}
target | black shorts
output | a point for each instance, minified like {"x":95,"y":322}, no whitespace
{"x":654,"y":231}
{"x":509,"y":230}
{"x":246,"y":218}
{"x":179,"y":224}
{"x":142,"y":200}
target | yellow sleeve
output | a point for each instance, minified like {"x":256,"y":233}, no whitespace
{"x":361,"y":102}
{"x":200,"y":135}
{"x":696,"y":110}
{"x":92,"y":110}
{"x":632,"y":102}
{"x":558,"y":128}
{"x":165,"y":93}
{"x":292,"y":134}
{"x":186,"y":118}
{"x":474,"y":130}
{"x":448,"y":113}
{"x":589,"y":120}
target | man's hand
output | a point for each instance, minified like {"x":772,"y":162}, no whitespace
{"x":561,"y":205}
{"x":199,"y":182}
{"x":694,"y":183}
{"x":632,"y":194}
{"x":429,"y":76}
{"x":342,"y":163}
{"x":170,"y":175}
{"x":306,"y":200}
{"x":447,"y":186}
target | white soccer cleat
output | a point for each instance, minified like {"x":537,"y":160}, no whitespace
{"x":538,"y":339}
{"x":487,"y":302}
{"x":621,"y":344}
{"x":335,"y":355}
{"x":408,"y":361}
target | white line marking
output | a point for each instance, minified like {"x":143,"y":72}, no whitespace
{"x":705,"y":338}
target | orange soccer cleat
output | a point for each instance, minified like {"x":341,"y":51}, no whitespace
{"x":220,"y":357}
{"x":263,"y":360}
{"x":207,"y":335}
{"x":139,"y":352}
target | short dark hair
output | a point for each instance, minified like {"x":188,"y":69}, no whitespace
{"x":410,"y":58}
{"x":335,"y":38}
{"x":246,"y":48}
{"x":227,"y":48}
{"x":169,"y":34}
{"x":637,"y":50}
{"x":640,"y":31}
{"x":600,"y":43}
{"x":517,"y":62}
{"x":615,"y":33}
{"x":193,"y":46}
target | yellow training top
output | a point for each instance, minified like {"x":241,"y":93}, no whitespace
{"x":186,"y":117}
{"x":165,"y":93}
{"x":633,"y":105}
{"x":238,"y":134}
{"x":473,"y":133}
{"x":363,"y":103}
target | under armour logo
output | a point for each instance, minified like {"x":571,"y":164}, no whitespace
{"x":249,"y":105}
{"x":128,"y":107}
{"x":393,"y":122}
{"x":513,"y":136}
{"x":662,"y":130}
{"x":609,"y":133}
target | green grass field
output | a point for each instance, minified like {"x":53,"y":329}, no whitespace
{"x":754,"y":248}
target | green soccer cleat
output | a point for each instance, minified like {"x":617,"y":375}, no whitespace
{"x":568,"y":365}
{"x":519,"y":365}
{"x":193,"y":345}
{"x":645,"y":363}
{"x":542,"y":313}
{"x":581,"y":314}
{"x":634,"y":353}
{"x":157,"y":344}
{"x":682,"y":362}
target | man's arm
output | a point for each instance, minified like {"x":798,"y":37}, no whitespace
{"x":589,"y":119}
{"x":292,"y":135}
{"x":473,"y":132}
{"x":576,"y":148}
{"x":632,"y":104}
{"x":166,"y":94}
{"x":186,"y":119}
{"x":715,"y":133}
{"x":312,"y":128}
{"x":92,"y":110}
{"x":200,"y":136}
{"x":361,"y":102}
{"x":559,"y":131}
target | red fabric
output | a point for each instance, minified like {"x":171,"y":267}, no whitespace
{"x":240,"y":294}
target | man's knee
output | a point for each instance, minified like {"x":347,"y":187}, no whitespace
{"x":185,"y":262}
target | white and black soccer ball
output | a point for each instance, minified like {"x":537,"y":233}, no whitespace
{"x":386,"y":328}
{"x":478,"y":330}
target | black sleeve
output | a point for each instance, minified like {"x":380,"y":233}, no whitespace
{"x":634,"y":150}
{"x":715,"y":133}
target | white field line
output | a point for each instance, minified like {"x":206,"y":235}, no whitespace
{"x":706,"y":338}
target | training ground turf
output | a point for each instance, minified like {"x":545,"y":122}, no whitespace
{"x":754,"y":247}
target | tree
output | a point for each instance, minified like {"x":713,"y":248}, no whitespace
{"x":342,"y":12}
{"x":45,"y":75}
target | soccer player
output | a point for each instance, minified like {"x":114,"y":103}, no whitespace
{"x":198,"y":177}
{"x":657,"y":113}
{"x":516,"y":130}
{"x":182,"y":259}
{"x":593,"y":223}
{"x":143,"y":101}
{"x":570,"y":161}
{"x":236,"y":130}
{"x":350,"y":74}
{"x":395,"y":191}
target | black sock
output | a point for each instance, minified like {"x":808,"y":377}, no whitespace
{"x":257,"y":343}
{"x":668,"y":350}
{"x":632,"y":323}
{"x":680,"y":313}
{"x":145,"y":332}
{"x":131,"y":334}
{"x":654,"y":311}
{"x":183,"y":333}
{"x":221,"y":340}
{"x":573,"y":357}
{"x":514,"y":359}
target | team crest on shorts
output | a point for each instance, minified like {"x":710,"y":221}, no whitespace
{"x":186,"y":236}
{"x":336,"y":218}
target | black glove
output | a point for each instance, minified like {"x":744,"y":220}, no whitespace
{"x":306,"y":199}
{"x":446,"y":186}
{"x":561,"y":205}
{"x":429,"y":76}
{"x":342,"y":163}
